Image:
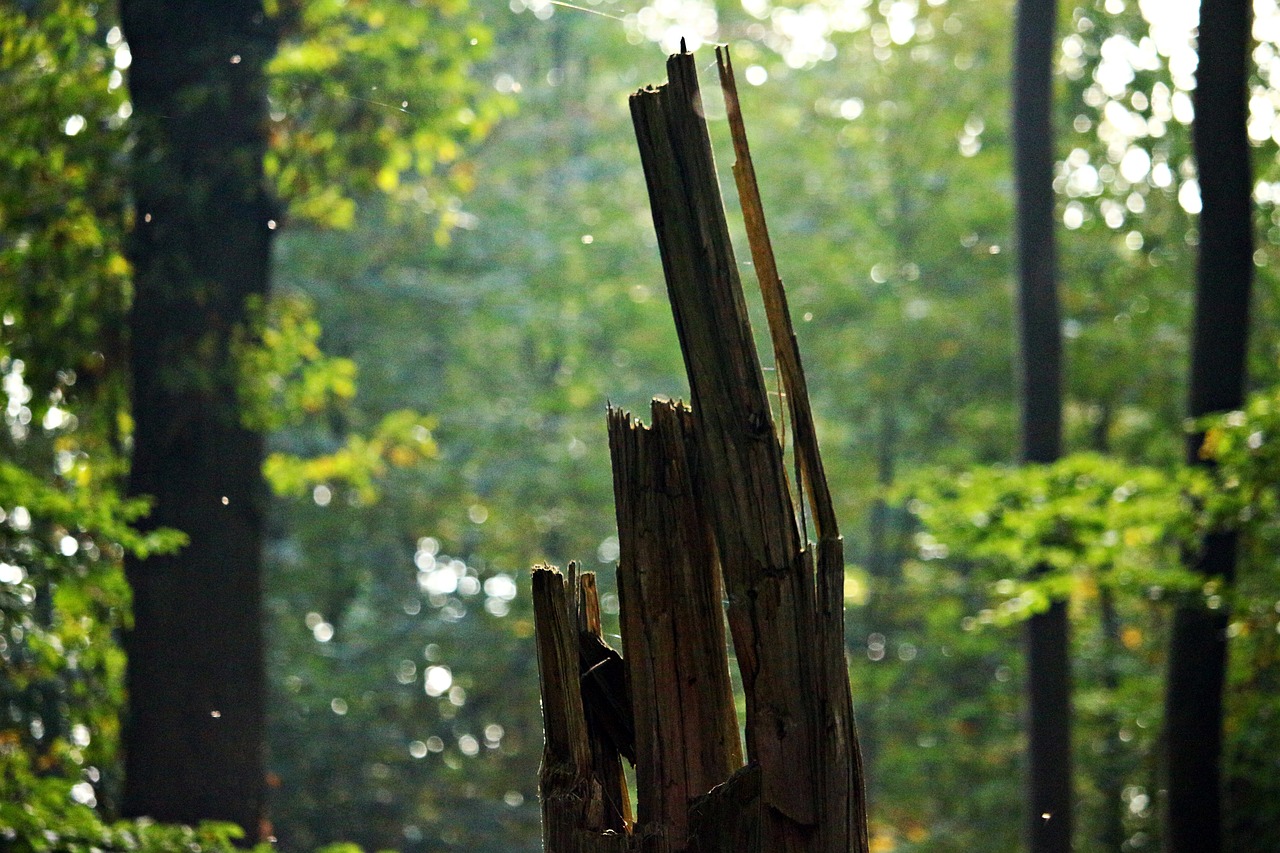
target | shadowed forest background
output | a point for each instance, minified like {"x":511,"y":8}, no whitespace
{"x":464,"y":272}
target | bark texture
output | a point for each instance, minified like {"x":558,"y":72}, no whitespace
{"x":200,"y":245}
{"x":575,"y":790}
{"x":673,"y":628}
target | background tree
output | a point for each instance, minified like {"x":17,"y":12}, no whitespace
{"x":1224,"y":276}
{"x":1049,"y":795}
{"x":200,"y":248}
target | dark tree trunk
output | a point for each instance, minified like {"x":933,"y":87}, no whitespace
{"x":1049,"y":730}
{"x":1048,"y":817}
{"x":1198,"y":649}
{"x":1114,"y":765}
{"x":200,"y":245}
{"x":882,"y":557}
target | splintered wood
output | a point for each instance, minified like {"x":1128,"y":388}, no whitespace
{"x":707,"y":526}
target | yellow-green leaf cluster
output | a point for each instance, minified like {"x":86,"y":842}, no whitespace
{"x":402,"y":439}
{"x":1039,"y":533}
{"x":283,"y":376}
{"x":367,"y":93}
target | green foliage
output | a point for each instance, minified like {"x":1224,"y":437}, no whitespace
{"x":51,"y":815}
{"x":368,"y":95}
{"x":63,"y":277}
{"x":63,"y":602}
{"x":63,"y":292}
{"x":1108,"y":537}
{"x":1245,"y":450}
{"x":400,"y":439}
{"x":285,"y":379}
{"x":1243,"y":446}
{"x":1087,"y":525}
{"x":282,"y":374}
{"x":64,"y":295}
{"x":1039,"y":533}
{"x":64,"y":531}
{"x":82,"y":506}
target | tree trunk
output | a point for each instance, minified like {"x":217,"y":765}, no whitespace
{"x":1113,"y":767}
{"x":704,"y":499}
{"x":1224,"y":277}
{"x":200,"y":245}
{"x":1048,"y":816}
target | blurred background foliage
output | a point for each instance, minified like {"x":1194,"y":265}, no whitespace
{"x":467,"y":273}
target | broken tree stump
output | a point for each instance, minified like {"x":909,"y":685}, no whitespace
{"x":705,"y":513}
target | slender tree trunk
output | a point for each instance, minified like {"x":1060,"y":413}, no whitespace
{"x":1048,"y":818}
{"x":1198,"y":648}
{"x":882,"y":557}
{"x":200,"y":245}
{"x":1114,"y":767}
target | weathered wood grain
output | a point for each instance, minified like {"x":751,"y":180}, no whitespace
{"x":573,"y":802}
{"x":835,"y":703}
{"x":705,"y":515}
{"x":799,"y":716}
{"x":672,"y":622}
{"x":608,"y":710}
